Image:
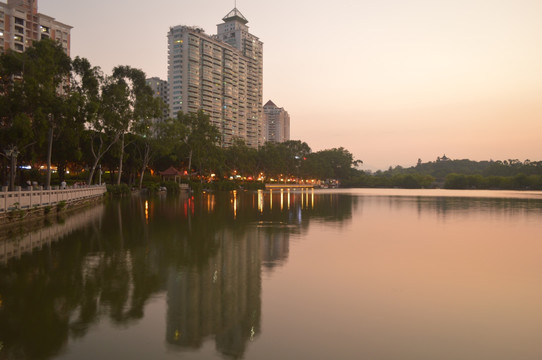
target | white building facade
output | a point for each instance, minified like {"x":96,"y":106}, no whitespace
{"x":276,"y":123}
{"x":221,"y":75}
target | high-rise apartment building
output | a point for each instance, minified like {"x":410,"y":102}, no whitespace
{"x":276,"y":123}
{"x":221,"y":75}
{"x":161,"y":90}
{"x":21,"y":24}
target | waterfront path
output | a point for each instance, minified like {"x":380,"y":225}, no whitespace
{"x":32,"y":199}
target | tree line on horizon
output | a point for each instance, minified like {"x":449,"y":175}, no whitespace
{"x":456,"y":174}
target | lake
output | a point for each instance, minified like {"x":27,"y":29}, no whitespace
{"x":312,"y":274}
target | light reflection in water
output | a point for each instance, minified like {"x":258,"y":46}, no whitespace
{"x":235,"y":204}
{"x":281,"y":199}
{"x":210,"y":202}
{"x":147,"y":211}
{"x":288,"y":199}
{"x":270,"y":199}
{"x":260,"y":201}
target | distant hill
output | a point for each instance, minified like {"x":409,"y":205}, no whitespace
{"x":455,"y":174}
{"x":444,"y":166}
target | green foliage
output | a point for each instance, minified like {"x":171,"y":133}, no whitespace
{"x":172,"y":187}
{"x":406,"y":181}
{"x":440,"y":169}
{"x":118,"y":190}
{"x":516,"y":182}
{"x":60,"y":205}
{"x":152,"y":187}
{"x":240,"y":158}
{"x":196,"y":186}
{"x":202,"y":142}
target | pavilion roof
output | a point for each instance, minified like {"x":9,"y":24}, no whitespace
{"x":170,"y":172}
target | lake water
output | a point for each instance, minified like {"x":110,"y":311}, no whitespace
{"x":337,"y":274}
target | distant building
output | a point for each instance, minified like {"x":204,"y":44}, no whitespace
{"x":161,"y":90}
{"x":276,"y":123}
{"x":21,"y":24}
{"x":221,"y":75}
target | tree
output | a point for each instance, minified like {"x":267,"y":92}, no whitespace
{"x":46,"y":69}
{"x":129,"y":104}
{"x":272,"y":159}
{"x":241,"y":158}
{"x":333,"y":163}
{"x":296,"y":152}
{"x":202,"y":141}
{"x":16,"y":133}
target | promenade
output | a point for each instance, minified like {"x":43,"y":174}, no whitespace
{"x":34,"y":199}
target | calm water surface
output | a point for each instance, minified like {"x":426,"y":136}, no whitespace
{"x":360,"y":274}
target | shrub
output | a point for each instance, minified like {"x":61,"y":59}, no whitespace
{"x":118,"y":190}
{"x":61,"y":205}
{"x":171,"y":186}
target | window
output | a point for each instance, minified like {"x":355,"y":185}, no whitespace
{"x":19,"y":21}
{"x":19,"y":29}
{"x":18,"y":38}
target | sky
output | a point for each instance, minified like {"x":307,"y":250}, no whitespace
{"x":392,"y":81}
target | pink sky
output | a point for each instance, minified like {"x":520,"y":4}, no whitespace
{"x":392,"y":81}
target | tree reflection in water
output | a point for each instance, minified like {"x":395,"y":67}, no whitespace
{"x":205,"y":251}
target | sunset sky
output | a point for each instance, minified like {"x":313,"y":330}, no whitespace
{"x":390,"y":80}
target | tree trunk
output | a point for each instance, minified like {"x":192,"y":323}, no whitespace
{"x":92,"y":170}
{"x":49,"y":154}
{"x":146,"y":158}
{"x":121,"y":158}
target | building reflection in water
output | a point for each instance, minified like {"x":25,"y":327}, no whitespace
{"x":220,"y":296}
{"x":205,"y":252}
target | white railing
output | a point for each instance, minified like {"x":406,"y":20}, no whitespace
{"x":29,"y":199}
